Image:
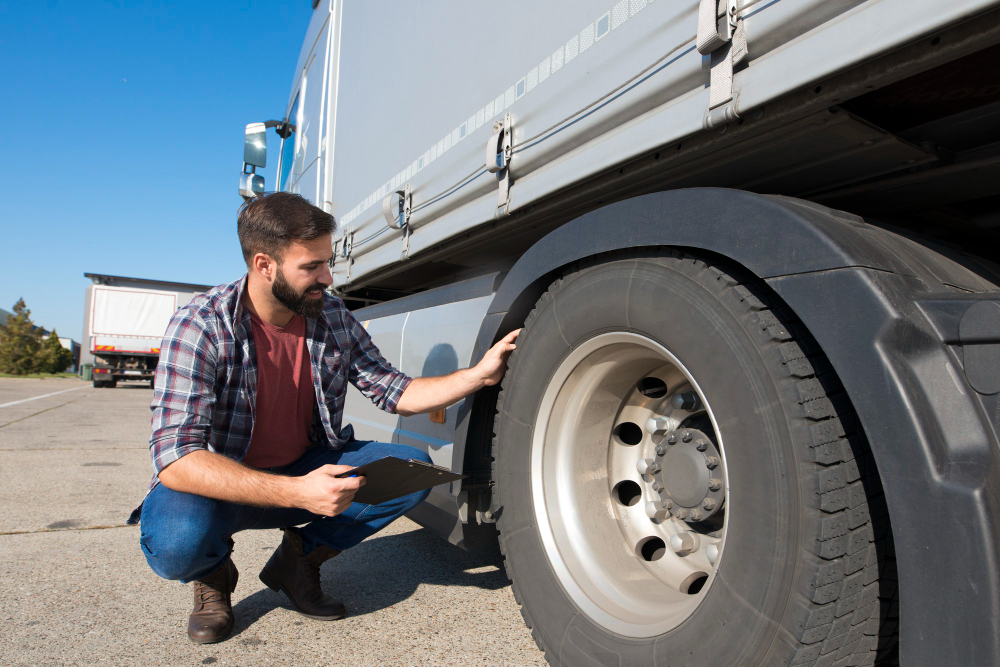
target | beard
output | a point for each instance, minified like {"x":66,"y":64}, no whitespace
{"x":297,"y":302}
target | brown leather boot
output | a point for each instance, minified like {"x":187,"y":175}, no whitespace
{"x":211,"y":620}
{"x":297,"y":576}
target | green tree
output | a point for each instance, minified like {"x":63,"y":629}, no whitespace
{"x":53,"y":357}
{"x":20,"y":342}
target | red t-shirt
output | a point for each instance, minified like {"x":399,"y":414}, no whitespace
{"x":285,"y":394}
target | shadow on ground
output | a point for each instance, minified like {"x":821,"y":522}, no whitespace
{"x":382,"y":571}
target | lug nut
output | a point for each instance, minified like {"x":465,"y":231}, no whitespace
{"x":655,"y":512}
{"x":684,"y":543}
{"x":680,"y":513}
{"x":686,"y":436}
{"x":712,"y":552}
{"x":644,"y":466}
{"x":661,"y":449}
{"x":657,"y":425}
{"x":712,"y":462}
{"x":666,"y":503}
{"x":695,"y":515}
{"x":701,"y":445}
{"x":688,"y":401}
{"x":672,"y":439}
{"x":715,"y":484}
{"x":709,"y":504}
{"x":656,"y":485}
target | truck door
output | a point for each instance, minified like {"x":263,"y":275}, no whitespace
{"x":299,"y":170}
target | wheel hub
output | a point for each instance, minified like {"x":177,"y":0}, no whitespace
{"x":626,"y":458}
{"x":690,"y":474}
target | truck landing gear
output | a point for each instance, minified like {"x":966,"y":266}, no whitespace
{"x":674,"y":461}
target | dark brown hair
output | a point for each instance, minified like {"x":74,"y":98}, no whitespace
{"x":269,"y":223}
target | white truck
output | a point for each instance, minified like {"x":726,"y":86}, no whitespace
{"x":126,"y":327}
{"x":752,"y":417}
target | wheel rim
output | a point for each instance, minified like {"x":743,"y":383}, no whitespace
{"x":600,"y":456}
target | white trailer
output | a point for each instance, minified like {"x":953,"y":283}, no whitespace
{"x":753,"y":414}
{"x":124,"y":323}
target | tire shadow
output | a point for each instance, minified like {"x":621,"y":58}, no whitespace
{"x":383,"y":571}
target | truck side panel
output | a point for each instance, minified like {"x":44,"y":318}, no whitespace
{"x":426,"y":342}
{"x":369,"y":422}
{"x":638,"y":84}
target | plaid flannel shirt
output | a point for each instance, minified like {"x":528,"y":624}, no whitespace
{"x":206,"y":380}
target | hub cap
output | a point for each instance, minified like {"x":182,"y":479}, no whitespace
{"x":629,"y":485}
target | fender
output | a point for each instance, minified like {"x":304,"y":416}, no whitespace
{"x":889,"y":313}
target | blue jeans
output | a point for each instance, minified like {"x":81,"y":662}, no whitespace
{"x":186,"y":537}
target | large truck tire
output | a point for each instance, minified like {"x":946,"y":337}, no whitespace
{"x":680,"y":480}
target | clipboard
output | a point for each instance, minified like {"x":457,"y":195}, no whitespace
{"x":393,"y":477}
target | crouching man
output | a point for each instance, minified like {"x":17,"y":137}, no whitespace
{"x":247,"y":408}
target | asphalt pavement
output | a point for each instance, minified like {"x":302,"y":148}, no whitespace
{"x":76,"y":589}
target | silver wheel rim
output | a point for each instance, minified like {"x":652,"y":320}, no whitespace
{"x":633,"y":569}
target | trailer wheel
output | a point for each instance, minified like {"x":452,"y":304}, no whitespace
{"x":679,"y":478}
{"x":99,"y":384}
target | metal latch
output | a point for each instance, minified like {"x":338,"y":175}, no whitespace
{"x":347,"y":243}
{"x":346,"y":248}
{"x":721,"y":34}
{"x":400,"y":217}
{"x":498,"y":152}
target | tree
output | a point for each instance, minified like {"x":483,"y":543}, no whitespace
{"x":20,"y":342}
{"x":53,"y":357}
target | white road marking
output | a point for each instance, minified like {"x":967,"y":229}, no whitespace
{"x":35,"y":398}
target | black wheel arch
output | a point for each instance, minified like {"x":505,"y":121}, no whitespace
{"x":886,"y":310}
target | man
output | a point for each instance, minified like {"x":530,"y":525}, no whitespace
{"x":247,"y":408}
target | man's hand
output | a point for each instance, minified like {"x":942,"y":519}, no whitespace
{"x":322,"y":492}
{"x":492,"y":366}
{"x":434,"y":393}
{"x":212,"y":475}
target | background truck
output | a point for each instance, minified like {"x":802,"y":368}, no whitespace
{"x":126,"y":328}
{"x":124,"y":321}
{"x":752,"y":417}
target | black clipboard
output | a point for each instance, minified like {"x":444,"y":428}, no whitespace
{"x":392,"y":477}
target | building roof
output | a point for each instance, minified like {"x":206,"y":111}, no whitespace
{"x":102,"y":279}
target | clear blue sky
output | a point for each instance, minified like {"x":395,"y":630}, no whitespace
{"x":123,"y":139}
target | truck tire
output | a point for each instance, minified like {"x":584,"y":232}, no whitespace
{"x":99,"y":384}
{"x":680,"y":480}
